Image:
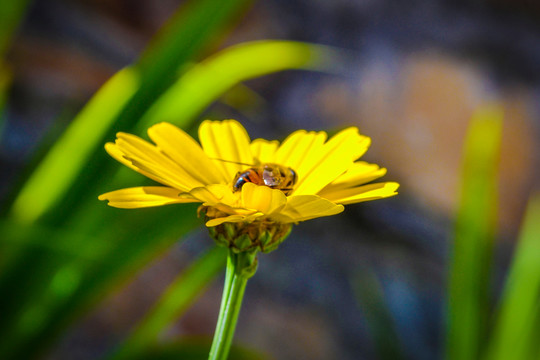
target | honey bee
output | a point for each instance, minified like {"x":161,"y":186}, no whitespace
{"x":272,"y":175}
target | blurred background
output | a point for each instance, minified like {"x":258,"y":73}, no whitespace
{"x":368,"y":284}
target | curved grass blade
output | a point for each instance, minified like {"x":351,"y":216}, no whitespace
{"x":518,"y":324}
{"x":468,"y":302}
{"x":57,"y":171}
{"x":205,"y":82}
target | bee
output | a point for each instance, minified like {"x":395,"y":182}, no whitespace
{"x":272,"y":175}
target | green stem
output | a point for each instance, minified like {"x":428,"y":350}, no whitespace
{"x":233,"y":293}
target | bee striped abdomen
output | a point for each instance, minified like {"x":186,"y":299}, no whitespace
{"x":249,"y":175}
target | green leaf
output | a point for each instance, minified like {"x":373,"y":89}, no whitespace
{"x":470,"y":263}
{"x":59,"y":169}
{"x":173,"y":303}
{"x":518,"y":324}
{"x":207,"y":81}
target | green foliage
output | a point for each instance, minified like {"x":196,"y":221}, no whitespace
{"x":468,"y":297}
{"x":210,"y":79}
{"x":474,"y":331}
{"x":518,"y":324}
{"x":62,"y":250}
{"x":63,"y":163}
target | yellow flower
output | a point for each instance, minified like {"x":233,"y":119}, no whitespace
{"x":327,"y":175}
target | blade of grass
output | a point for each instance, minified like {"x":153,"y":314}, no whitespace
{"x":207,"y":81}
{"x":173,"y":303}
{"x":468,"y":305}
{"x":516,"y":331}
{"x":68,"y":156}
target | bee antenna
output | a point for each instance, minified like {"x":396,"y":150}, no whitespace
{"x":232,"y":162}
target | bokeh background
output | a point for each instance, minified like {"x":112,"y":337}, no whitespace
{"x":409,"y":75}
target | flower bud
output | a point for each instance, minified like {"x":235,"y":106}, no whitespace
{"x":261,"y":235}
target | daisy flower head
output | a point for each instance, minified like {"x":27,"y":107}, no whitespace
{"x":251,"y":191}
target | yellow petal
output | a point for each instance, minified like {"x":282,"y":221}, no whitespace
{"x":333,"y":159}
{"x":227,"y":143}
{"x":363,"y":142}
{"x":135,"y":147}
{"x":214,"y":194}
{"x":186,"y":152}
{"x":119,"y":155}
{"x":144,"y":196}
{"x":359,"y":173}
{"x":148,"y":158}
{"x":300,"y":149}
{"x":262,"y":198}
{"x":361,"y":193}
{"x":264,"y":151}
{"x":174,"y":178}
{"x":305,"y":207}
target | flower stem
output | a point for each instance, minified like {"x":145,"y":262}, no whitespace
{"x":240,"y":267}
